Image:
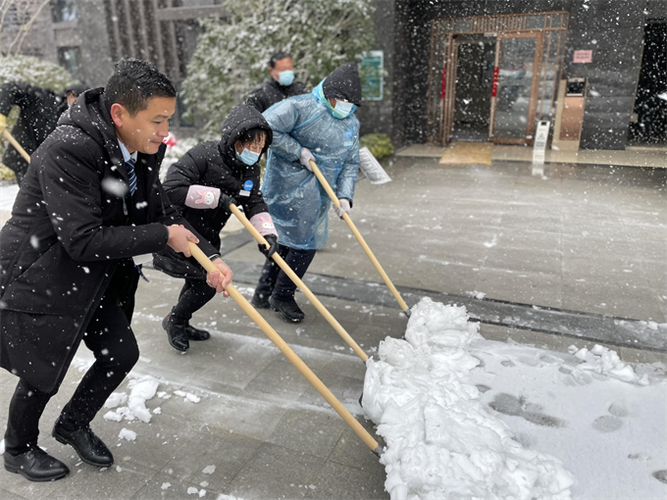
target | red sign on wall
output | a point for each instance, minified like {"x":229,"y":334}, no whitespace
{"x":442,"y":85}
{"x":494,"y":87}
{"x":583,"y":56}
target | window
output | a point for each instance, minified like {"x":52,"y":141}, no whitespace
{"x":63,"y":10}
{"x":16,"y":15}
{"x":70,"y":58}
{"x":184,"y":119}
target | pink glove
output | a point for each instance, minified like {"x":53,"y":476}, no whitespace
{"x":264,"y":224}
{"x":202,"y":197}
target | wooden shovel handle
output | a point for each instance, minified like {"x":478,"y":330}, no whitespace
{"x":360,"y":239}
{"x":297,"y":281}
{"x":16,"y":145}
{"x":289,"y":353}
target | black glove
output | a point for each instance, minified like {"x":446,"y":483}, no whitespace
{"x":225,"y":200}
{"x":272,"y":240}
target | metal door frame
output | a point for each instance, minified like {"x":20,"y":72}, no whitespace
{"x":443,"y":58}
{"x":534,"y":86}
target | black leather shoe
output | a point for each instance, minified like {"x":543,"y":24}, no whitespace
{"x":193,"y":333}
{"x":88,"y":446}
{"x":176,"y":333}
{"x":287,"y":308}
{"x":36,"y":465}
{"x":260,"y":301}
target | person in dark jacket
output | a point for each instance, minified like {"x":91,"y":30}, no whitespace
{"x":91,"y":201}
{"x":278,"y":86}
{"x":40,"y":110}
{"x":202,"y":184}
{"x":319,"y":126}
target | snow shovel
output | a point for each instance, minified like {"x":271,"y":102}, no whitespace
{"x":290,"y":354}
{"x":16,"y":145}
{"x":297,"y":281}
{"x":361,"y":240}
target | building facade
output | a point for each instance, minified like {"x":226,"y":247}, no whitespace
{"x":474,"y":70}
{"x":486,"y":70}
{"x":88,"y":36}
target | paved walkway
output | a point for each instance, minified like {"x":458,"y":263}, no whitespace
{"x":521,"y":251}
{"x":649,"y":156}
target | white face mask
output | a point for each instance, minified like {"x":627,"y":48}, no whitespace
{"x":343,"y":108}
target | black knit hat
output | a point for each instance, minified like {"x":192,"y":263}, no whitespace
{"x":343,"y":83}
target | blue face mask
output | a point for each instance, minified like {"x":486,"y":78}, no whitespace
{"x":248,"y":157}
{"x":343,"y":108}
{"x":286,"y":77}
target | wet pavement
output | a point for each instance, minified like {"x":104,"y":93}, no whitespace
{"x":552,"y":257}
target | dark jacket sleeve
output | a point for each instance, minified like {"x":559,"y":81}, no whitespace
{"x":12,"y":93}
{"x":171,"y":215}
{"x":70,"y":182}
{"x":187,"y":171}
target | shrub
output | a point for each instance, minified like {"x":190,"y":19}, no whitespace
{"x":378,"y":144}
{"x":232,"y":55}
{"x":35,"y":72}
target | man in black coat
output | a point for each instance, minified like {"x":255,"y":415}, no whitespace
{"x":202,"y":184}
{"x":91,"y":201}
{"x":40,"y":110}
{"x":278,"y":86}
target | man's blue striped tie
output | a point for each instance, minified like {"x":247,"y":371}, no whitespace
{"x":131,"y":175}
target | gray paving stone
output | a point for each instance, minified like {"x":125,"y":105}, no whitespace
{"x":308,"y":432}
{"x":269,"y":433}
{"x":276,"y":472}
{"x":226,"y":452}
{"x":8,"y":495}
{"x":341,"y":482}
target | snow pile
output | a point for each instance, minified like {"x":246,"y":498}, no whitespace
{"x":442,"y":442}
{"x":127,"y":434}
{"x":605,"y":362}
{"x":195,"y":491}
{"x":188,"y":396}
{"x":141,"y":391}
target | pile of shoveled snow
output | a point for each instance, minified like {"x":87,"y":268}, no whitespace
{"x":603,"y":361}
{"x":442,"y":441}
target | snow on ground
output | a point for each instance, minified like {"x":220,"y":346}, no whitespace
{"x":8,"y":192}
{"x":463,"y":417}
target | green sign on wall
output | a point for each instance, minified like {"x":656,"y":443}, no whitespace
{"x":372,"y":70}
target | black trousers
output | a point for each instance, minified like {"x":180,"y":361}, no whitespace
{"x":275,"y":282}
{"x":111,"y":340}
{"x":194,"y":295}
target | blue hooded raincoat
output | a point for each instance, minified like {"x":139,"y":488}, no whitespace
{"x":298,"y":204}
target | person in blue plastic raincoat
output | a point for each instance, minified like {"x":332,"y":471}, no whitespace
{"x":319,"y":126}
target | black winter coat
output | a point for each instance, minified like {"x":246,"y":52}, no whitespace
{"x":72,"y":223}
{"x":269,"y":92}
{"x":40,"y":110}
{"x":214,"y":164}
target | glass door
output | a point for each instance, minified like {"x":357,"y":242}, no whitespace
{"x":515,"y":88}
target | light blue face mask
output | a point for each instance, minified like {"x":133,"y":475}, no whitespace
{"x":286,"y":77}
{"x":248,"y":157}
{"x":343,"y":108}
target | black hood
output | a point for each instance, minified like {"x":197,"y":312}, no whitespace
{"x":344,"y":83}
{"x":239,"y":120}
{"x":90,"y":114}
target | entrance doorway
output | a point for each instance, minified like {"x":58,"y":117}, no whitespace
{"x":475,"y":55}
{"x":649,"y":126}
{"x":492,"y":78}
